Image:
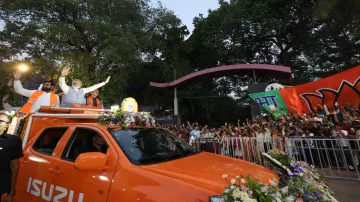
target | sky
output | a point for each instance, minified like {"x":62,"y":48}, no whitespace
{"x":186,"y":10}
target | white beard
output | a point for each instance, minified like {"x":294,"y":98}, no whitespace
{"x":76,"y":88}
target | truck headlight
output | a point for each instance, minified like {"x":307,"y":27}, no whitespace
{"x":216,"y":199}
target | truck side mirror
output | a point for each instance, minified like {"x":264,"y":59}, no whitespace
{"x":91,"y":161}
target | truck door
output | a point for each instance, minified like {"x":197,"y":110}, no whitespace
{"x":35,"y":175}
{"x":90,"y":184}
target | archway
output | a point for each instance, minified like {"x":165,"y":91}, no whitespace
{"x":238,"y":69}
{"x":256,"y":70}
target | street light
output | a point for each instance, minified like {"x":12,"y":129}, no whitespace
{"x":23,"y":67}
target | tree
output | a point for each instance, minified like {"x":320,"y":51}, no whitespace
{"x":315,"y":38}
{"x":337,"y":40}
{"x":95,"y":38}
{"x":308,"y":36}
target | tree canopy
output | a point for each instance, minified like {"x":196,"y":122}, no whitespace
{"x":136,"y":43}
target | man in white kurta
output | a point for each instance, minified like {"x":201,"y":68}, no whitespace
{"x":42,"y":100}
{"x":75,"y":94}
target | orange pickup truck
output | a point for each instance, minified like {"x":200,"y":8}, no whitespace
{"x":69,"y":156}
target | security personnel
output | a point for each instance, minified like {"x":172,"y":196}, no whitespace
{"x":10,"y":152}
{"x":75,"y":94}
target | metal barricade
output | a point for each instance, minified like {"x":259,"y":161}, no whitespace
{"x":334,"y":157}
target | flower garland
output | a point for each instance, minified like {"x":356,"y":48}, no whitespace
{"x":249,"y":190}
{"x":20,"y":126}
{"x":126,"y":119}
{"x":17,"y":123}
{"x":304,"y":184}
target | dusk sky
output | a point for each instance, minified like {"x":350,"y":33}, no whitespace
{"x":186,"y":10}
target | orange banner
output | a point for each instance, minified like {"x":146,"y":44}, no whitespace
{"x":343,"y":88}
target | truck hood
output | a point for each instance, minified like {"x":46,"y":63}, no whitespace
{"x":206,"y":170}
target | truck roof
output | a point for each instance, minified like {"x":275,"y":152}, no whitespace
{"x":52,"y":116}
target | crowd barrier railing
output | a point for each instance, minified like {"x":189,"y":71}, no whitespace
{"x":333,"y":157}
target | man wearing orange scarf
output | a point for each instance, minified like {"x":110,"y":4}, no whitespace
{"x":37,"y":98}
{"x":94,"y":100}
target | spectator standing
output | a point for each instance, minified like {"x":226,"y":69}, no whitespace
{"x":10,"y":152}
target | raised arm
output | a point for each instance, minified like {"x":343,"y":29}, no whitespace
{"x":65,"y":88}
{"x":326,"y":110}
{"x":191,"y":128}
{"x":11,"y":85}
{"x":96,"y":86}
{"x":6,"y":105}
{"x":203,"y":130}
{"x":19,"y":88}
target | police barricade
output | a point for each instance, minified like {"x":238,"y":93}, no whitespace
{"x":334,"y":157}
{"x":206,"y":144}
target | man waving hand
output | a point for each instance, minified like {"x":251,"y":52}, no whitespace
{"x":74,"y":94}
{"x":37,"y":98}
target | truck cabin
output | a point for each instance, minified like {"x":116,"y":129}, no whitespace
{"x":52,"y":119}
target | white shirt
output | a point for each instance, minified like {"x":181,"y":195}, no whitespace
{"x":208,"y":135}
{"x":65,"y":88}
{"x":43,"y":100}
{"x":343,"y":141}
{"x":318,"y":119}
{"x":195,"y":134}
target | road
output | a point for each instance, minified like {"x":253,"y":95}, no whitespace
{"x":345,"y":190}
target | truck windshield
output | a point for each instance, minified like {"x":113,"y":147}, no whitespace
{"x":150,"y":145}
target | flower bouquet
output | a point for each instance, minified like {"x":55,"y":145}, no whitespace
{"x":127,"y":119}
{"x":303,"y":184}
{"x":250,"y":190}
{"x":304,"y":179}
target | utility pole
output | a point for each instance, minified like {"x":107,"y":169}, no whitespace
{"x":254,"y":76}
{"x":176,"y":106}
{"x":176,"y":109}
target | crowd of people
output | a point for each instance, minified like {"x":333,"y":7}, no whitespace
{"x":316,"y":131}
{"x":343,"y":121}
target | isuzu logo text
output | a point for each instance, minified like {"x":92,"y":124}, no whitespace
{"x":46,"y":191}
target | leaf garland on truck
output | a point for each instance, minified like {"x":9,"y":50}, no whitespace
{"x":20,"y":126}
{"x":17,"y":124}
{"x":126,"y":119}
